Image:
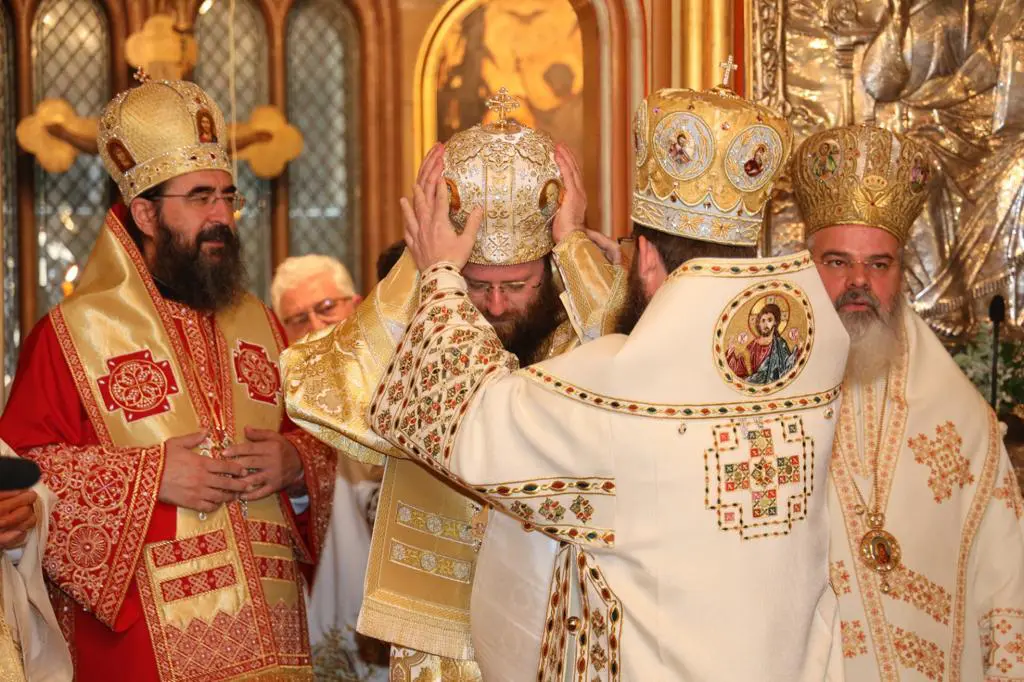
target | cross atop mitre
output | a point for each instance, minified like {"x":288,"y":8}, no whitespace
{"x":503,"y":104}
{"x":728,"y":67}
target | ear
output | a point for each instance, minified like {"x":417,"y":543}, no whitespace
{"x":144,"y":213}
{"x":357,"y":299}
{"x":650,"y":266}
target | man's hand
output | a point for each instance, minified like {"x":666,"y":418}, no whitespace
{"x":273,"y":462}
{"x":17,"y":517}
{"x":609,"y":247}
{"x":572,"y":213}
{"x":427,"y":180}
{"x":435,"y":240}
{"x":196,"y":482}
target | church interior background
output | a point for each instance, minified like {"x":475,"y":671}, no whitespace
{"x":334,"y":102}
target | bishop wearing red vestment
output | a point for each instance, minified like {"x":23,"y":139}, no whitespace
{"x":151,"y":400}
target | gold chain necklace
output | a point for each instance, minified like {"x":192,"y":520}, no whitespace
{"x":879,"y":549}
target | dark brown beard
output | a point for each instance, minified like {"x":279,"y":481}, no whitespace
{"x":195,"y":280}
{"x":635,"y":304}
{"x":524,"y":334}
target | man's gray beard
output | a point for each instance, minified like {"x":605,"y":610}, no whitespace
{"x":874,"y":341}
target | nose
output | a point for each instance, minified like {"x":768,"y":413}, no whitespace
{"x":858,"y":277}
{"x":222,"y":212}
{"x":316,"y":323}
{"x":496,"y":302}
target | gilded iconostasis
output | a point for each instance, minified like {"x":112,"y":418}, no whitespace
{"x":332,"y":103}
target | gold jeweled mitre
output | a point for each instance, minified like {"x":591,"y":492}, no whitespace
{"x":705,"y":163}
{"x":510,"y":170}
{"x":861,"y":175}
{"x":158,"y":131}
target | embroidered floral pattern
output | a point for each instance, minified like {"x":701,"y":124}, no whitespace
{"x":93,"y":547}
{"x":421,"y":401}
{"x":917,"y":653}
{"x":138,"y":385}
{"x":431,"y":562}
{"x":917,"y":590}
{"x":319,"y":463}
{"x":552,"y":510}
{"x":1002,"y":639}
{"x":785,"y":264}
{"x":435,"y":524}
{"x":591,"y":486}
{"x":523,"y":511}
{"x":759,"y":475}
{"x":1009,"y":492}
{"x":199,"y":583}
{"x":839,"y":577}
{"x":260,"y":376}
{"x":187,"y":549}
{"x":664,"y":411}
{"x":582,"y":508}
{"x":855,"y":642}
{"x":942,"y":457}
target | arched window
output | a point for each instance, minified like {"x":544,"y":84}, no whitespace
{"x":8,"y":215}
{"x":251,"y":90}
{"x":323,"y":70}
{"x":71,"y":61}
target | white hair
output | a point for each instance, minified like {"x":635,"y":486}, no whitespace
{"x":298,"y":269}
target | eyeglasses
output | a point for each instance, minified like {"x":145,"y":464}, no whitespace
{"x":206,"y":199}
{"x":323,"y":309}
{"x":506,"y":288}
{"x":873,"y":266}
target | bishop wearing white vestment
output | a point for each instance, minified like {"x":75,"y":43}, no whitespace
{"x":662,"y":516}
{"x":927,"y":547}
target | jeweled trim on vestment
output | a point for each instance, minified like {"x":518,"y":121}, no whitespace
{"x":677,"y":411}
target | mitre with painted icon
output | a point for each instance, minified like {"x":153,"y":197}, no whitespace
{"x":509,"y":169}
{"x":158,"y":131}
{"x":861,"y":175}
{"x":706,"y":162}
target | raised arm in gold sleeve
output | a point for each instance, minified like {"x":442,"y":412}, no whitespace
{"x":594,"y":288}
{"x":329,"y":377}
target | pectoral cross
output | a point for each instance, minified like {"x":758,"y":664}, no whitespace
{"x":503,"y":103}
{"x":728,"y":67}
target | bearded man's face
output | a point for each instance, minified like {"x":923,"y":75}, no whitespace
{"x":766,"y":324}
{"x":520,"y":301}
{"x":197,"y":250}
{"x":861,"y":269}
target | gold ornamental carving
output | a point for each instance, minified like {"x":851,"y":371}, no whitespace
{"x":948,"y":74}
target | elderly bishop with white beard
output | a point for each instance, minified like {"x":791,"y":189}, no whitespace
{"x":927,"y":553}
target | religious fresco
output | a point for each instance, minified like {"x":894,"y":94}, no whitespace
{"x":533,"y":48}
{"x":949,"y":74}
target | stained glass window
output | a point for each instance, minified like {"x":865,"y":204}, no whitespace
{"x":71,"y":61}
{"x":251,"y":91}
{"x":323,"y":63}
{"x":8,"y":216}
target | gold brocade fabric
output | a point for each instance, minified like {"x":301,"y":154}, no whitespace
{"x":10,"y":654}
{"x":423,"y":553}
{"x":146,"y":370}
